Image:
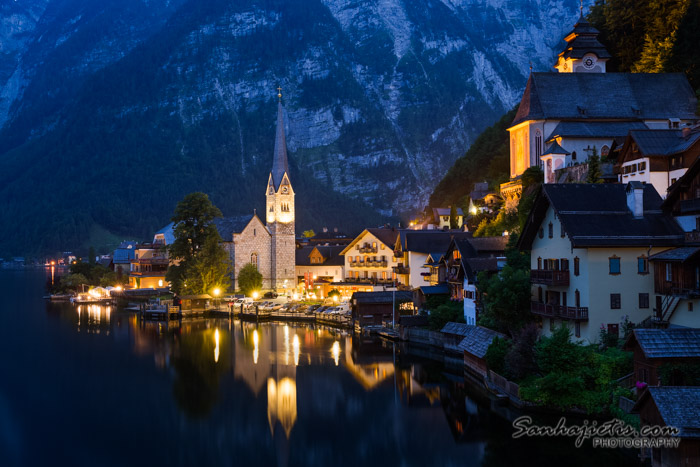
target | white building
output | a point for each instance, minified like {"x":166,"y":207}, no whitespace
{"x":590,"y":246}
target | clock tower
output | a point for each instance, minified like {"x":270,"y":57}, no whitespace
{"x":583,"y":52}
{"x":280,"y":212}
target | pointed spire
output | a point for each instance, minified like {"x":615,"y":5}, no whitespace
{"x":279,"y":160}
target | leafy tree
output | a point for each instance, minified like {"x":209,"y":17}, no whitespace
{"x":193,"y":229}
{"x":73,"y":282}
{"x":505,"y":221}
{"x":308,"y":234}
{"x":193,"y":226}
{"x":208,"y":270}
{"x":249,"y":279}
{"x":91,"y":255}
{"x":520,"y":360}
{"x":506,"y":299}
{"x":333,"y":293}
{"x":496,"y":354}
{"x":454,"y":221}
{"x":443,"y":314}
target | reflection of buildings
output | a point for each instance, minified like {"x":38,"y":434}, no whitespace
{"x":369,"y":362}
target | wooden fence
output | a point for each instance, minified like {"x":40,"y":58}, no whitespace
{"x":506,"y":386}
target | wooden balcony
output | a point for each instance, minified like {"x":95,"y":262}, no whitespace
{"x":559,"y":311}
{"x":402,"y":270}
{"x":549,"y":277}
{"x":368,"y":249}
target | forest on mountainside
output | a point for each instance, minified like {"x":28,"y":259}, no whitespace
{"x":648,"y":36}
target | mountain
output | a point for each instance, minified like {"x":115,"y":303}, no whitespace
{"x":111,"y":111}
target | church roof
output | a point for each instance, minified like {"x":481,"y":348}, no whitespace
{"x":279,"y":161}
{"x":555,"y":148}
{"x":582,"y":40}
{"x":591,"y":96}
{"x":595,"y":129}
{"x":227,"y":226}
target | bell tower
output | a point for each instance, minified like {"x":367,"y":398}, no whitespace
{"x":280,"y":211}
{"x":583,"y":52}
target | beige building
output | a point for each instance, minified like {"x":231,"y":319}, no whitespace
{"x":369,"y":259}
{"x":590,"y":247}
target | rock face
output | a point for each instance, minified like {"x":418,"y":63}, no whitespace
{"x":146,"y":100}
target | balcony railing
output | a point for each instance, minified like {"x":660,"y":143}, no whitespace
{"x":368,"y":249}
{"x":402,"y":270}
{"x":690,"y":205}
{"x":369,"y":264}
{"x":153,"y":260}
{"x":549,"y":277}
{"x":692,"y":237}
{"x":576,"y":313}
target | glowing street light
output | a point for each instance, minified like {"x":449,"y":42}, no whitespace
{"x":335,"y":298}
{"x":217,"y":292}
{"x":255,"y":295}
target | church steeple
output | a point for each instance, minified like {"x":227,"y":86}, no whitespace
{"x":583,"y":51}
{"x":280,"y":167}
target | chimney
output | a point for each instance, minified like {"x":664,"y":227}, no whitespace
{"x":635,"y":199}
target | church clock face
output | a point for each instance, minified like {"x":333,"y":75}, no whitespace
{"x":588,"y":62}
{"x":284,"y":190}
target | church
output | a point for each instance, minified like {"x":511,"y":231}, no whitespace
{"x":567,"y":115}
{"x":269,"y":246}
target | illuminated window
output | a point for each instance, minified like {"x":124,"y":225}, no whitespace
{"x":254,"y":260}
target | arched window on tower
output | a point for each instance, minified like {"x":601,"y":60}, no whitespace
{"x":254,"y":260}
{"x":604,"y":151}
{"x":538,"y":145}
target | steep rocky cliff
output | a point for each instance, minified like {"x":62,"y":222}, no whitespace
{"x":110,"y":111}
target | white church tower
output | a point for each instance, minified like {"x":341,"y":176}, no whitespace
{"x":583,"y":52}
{"x":280,"y":213}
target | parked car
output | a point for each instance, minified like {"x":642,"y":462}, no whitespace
{"x":270,"y":295}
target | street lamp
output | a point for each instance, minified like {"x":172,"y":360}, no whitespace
{"x":255,"y":295}
{"x":216,"y":292}
{"x":335,"y":298}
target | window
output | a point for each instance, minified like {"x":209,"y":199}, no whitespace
{"x":577,"y":328}
{"x":615,"y":301}
{"x":538,"y":143}
{"x":604,"y":151}
{"x":564,"y":264}
{"x":669,"y":272}
{"x":573,"y":156}
{"x":563,"y":299}
{"x":254,"y":260}
{"x":384,"y":275}
{"x":576,"y":266}
{"x":690,"y":306}
{"x":561,"y":230}
{"x":539,"y":263}
{"x":374,"y":245}
{"x":551,"y":230}
{"x":541,"y":233}
{"x":577,"y":295}
{"x":642,"y":166}
{"x":643,"y":265}
{"x":614,"y":265}
{"x":643,"y":300}
{"x":614,"y":329}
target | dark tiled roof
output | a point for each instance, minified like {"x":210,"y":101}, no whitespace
{"x":555,"y":148}
{"x":382,"y":297}
{"x":458,"y":329}
{"x":679,"y":406}
{"x":331,"y":253}
{"x":663,"y":142}
{"x":482,"y":264}
{"x":597,"y":215}
{"x":595,"y":129}
{"x":489,"y":244}
{"x":435,"y":289}
{"x":669,"y":343}
{"x":477,"y":340}
{"x":676,"y":254}
{"x":630,"y":96}
{"x":227,"y":226}
{"x":425,"y":241}
{"x":446,"y":212}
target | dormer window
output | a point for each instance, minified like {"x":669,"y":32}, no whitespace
{"x":674,"y":123}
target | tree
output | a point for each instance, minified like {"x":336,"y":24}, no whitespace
{"x":91,"y":255}
{"x":193,"y":224}
{"x":506,"y":298}
{"x":454,"y":220}
{"x":249,"y":279}
{"x":447,"y":312}
{"x":308,"y":234}
{"x":193,"y":229}
{"x":520,"y":359}
{"x":208,"y":270}
{"x":333,"y":293}
{"x":594,"y":173}
{"x":496,"y":354}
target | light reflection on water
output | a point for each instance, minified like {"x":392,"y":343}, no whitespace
{"x":221,"y":392}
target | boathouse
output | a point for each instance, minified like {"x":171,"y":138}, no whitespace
{"x":654,"y":348}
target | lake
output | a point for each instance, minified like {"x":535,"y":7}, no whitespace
{"x":90,"y":385}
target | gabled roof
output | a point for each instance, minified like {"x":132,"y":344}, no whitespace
{"x":596,"y":215}
{"x":663,"y":142}
{"x":227,"y":226}
{"x":331,"y":254}
{"x":459,"y":329}
{"x":590,"y":96}
{"x":382,"y":297}
{"x":446,"y":212}
{"x":612,"y":129}
{"x":484,"y":245}
{"x":667,"y":343}
{"x":679,"y":406}
{"x":477,"y":340}
{"x":426,"y":241}
{"x":167,"y":233}
{"x":676,"y":254}
{"x":387,"y":236}
{"x":555,"y":148}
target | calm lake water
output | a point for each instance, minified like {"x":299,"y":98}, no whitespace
{"x":92,"y":386}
